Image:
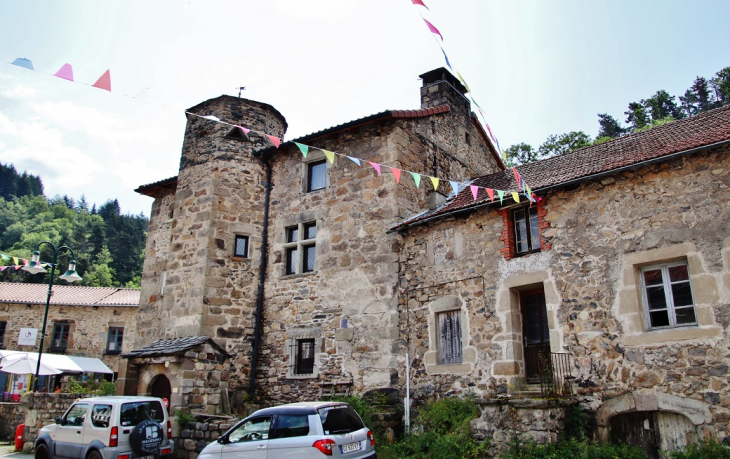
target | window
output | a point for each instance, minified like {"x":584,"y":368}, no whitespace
{"x":316,"y":175}
{"x":300,"y":248}
{"x":304,"y":357}
{"x":114,"y":340}
{"x":449,"y":324}
{"x":240,"y":248}
{"x":100,"y":415}
{"x":60,"y":336}
{"x":527,"y":230}
{"x":3,"y":326}
{"x":251,"y":430}
{"x":668,"y":296}
{"x":75,"y":415}
{"x":290,"y":425}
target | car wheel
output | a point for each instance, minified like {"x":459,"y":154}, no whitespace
{"x":41,"y":451}
{"x":146,"y":437}
{"x":94,"y":455}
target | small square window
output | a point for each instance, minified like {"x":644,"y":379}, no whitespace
{"x":316,"y":175}
{"x":240,"y":248}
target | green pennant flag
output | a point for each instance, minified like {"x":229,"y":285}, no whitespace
{"x":303,"y":148}
{"x":416,"y":178}
{"x":501,"y":195}
{"x":5,"y":257}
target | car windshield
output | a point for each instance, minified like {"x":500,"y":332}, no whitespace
{"x":136,"y":412}
{"x":339,"y":419}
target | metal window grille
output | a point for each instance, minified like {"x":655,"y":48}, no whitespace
{"x":317,"y":175}
{"x":450,"y":337}
{"x":241,"y":247}
{"x":303,"y":353}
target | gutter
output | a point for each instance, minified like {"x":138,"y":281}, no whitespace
{"x":573,"y":182}
{"x":262,"y":278}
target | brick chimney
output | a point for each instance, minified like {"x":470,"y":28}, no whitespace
{"x":440,"y":87}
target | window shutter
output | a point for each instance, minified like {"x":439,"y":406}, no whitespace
{"x":450,"y":337}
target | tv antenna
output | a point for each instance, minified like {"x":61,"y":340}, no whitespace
{"x":242,"y":88}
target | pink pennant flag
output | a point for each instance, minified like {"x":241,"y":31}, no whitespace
{"x":376,"y":166}
{"x":104,"y":82}
{"x":275,"y":140}
{"x":245,"y":131}
{"x":474,"y":191}
{"x":396,"y":172}
{"x":419,"y":2}
{"x":17,"y":267}
{"x":3,"y":268}
{"x":488,"y":129}
{"x":433,"y":29}
{"x":66,"y":72}
{"x":490,"y":192}
{"x":25,"y":262}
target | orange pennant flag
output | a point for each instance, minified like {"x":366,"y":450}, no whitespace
{"x":396,"y":172}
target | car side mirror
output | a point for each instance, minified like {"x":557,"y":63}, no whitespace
{"x":59,"y":420}
{"x":222,"y":439}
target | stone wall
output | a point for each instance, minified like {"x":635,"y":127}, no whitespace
{"x":11,"y":416}
{"x":194,"y":436}
{"x":596,"y":237}
{"x":88,"y":331}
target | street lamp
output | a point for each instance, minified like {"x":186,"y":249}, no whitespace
{"x":70,"y":275}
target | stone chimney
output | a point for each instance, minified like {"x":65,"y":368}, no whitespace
{"x":440,"y":87}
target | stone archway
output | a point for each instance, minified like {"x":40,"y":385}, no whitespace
{"x":160,"y":387}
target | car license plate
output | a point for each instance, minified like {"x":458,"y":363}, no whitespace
{"x":351,"y":447}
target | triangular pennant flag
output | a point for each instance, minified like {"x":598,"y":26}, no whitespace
{"x":15,"y":260}
{"x":330,"y":155}
{"x":144,"y":94}
{"x":463,"y":81}
{"x":303,"y":148}
{"x":490,"y":192}
{"x":246,"y":131}
{"x":475,"y":103}
{"x":454,"y":186}
{"x":25,"y":262}
{"x":447,"y":59}
{"x":275,"y":140}
{"x":516,"y":197}
{"x":396,"y":173}
{"x":104,"y":82}
{"x":488,"y":129}
{"x":516,"y":174}
{"x":354,"y":160}
{"x":419,"y":2}
{"x":18,"y":267}
{"x":474,"y":191}
{"x":500,"y":193}
{"x":433,"y":29}
{"x":23,"y":62}
{"x":211,"y":118}
{"x":4,"y":257}
{"x":65,"y":72}
{"x":435,"y":183}
{"x":3,"y":268}
{"x":376,"y":166}
{"x":416,"y":178}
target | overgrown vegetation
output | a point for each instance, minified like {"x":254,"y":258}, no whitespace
{"x":109,"y":246}
{"x":704,"y":450}
{"x":443,"y":431}
{"x":570,"y":449}
{"x":90,"y":387}
{"x":184,"y":418}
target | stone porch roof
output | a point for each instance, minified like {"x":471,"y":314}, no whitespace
{"x":68,"y":295}
{"x":174,"y":346}
{"x":689,"y":135}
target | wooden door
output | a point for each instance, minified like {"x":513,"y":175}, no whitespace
{"x":535,"y":333}
{"x":636,"y":429}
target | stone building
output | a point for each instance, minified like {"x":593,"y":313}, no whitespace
{"x":313,"y":277}
{"x":98,"y":322}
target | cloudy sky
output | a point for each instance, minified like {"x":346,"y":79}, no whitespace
{"x":537,"y":67}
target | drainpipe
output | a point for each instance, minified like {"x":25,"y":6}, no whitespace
{"x":262,"y":278}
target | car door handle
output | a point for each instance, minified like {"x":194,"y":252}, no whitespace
{"x":261,"y":447}
{"x":78,"y":432}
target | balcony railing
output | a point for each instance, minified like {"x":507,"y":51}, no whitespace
{"x":555,"y":376}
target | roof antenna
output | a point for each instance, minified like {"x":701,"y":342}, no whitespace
{"x":242,"y":88}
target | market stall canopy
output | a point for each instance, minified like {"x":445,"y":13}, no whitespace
{"x":24,"y":365}
{"x":62,"y":363}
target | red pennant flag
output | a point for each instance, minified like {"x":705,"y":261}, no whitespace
{"x":66,"y":72}
{"x":434,"y":29}
{"x":517,"y":176}
{"x":104,"y":82}
{"x":376,"y":166}
{"x":396,"y":172}
{"x":275,"y":140}
{"x":474,"y":191}
{"x":490,"y":192}
{"x":419,"y":2}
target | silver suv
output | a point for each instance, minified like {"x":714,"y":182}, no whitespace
{"x":108,"y":428}
{"x":296,"y":431}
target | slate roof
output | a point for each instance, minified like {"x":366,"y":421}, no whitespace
{"x":679,"y":137}
{"x":173,"y":346}
{"x":68,"y":295}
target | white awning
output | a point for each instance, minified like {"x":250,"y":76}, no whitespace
{"x":64,"y":363}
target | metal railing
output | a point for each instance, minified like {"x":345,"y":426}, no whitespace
{"x":555,"y":376}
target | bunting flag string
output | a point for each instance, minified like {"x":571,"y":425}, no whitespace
{"x":17,"y":262}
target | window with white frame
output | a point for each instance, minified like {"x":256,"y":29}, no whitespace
{"x":316,"y":175}
{"x":667,"y":295}
{"x":449,"y":323}
{"x":300,"y":248}
{"x":114,"y":340}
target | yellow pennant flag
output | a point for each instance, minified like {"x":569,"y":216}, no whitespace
{"x":435,"y":183}
{"x":330,"y":156}
{"x":516,"y":197}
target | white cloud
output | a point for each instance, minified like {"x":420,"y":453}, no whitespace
{"x":20,"y":92}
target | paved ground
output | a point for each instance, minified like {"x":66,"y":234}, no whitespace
{"x":8,"y":452}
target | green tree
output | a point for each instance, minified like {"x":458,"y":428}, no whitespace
{"x":698,"y":98}
{"x":521,"y":153}
{"x":662,"y":105}
{"x":563,"y":143}
{"x":636,"y":115}
{"x":721,"y":86}
{"x":610,"y":127}
{"x":100,"y":274}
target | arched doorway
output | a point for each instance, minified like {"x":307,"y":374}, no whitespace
{"x":160,"y":387}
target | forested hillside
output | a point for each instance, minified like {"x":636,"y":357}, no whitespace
{"x":109,"y":246}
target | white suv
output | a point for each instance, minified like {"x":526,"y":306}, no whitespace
{"x":108,"y":428}
{"x":296,"y":431}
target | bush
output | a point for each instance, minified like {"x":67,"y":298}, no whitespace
{"x":91,"y":387}
{"x":444,"y":433}
{"x":705,"y":450}
{"x":570,"y":449}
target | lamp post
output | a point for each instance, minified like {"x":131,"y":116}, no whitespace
{"x":69,"y":276}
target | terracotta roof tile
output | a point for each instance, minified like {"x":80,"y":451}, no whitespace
{"x":70,"y":295}
{"x":699,"y":131}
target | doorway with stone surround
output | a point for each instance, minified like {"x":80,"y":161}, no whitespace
{"x":535,"y":332}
